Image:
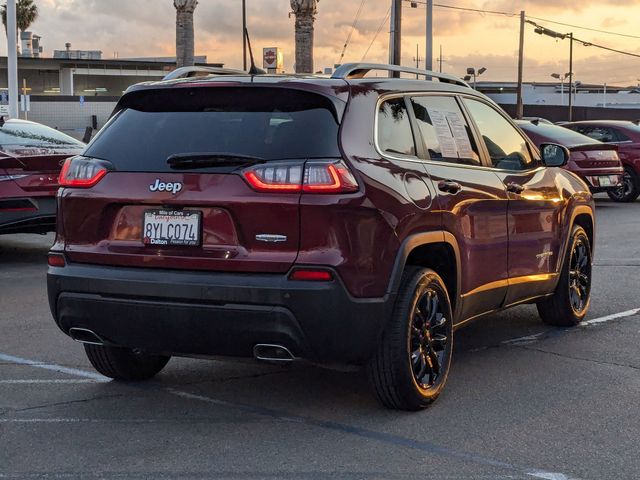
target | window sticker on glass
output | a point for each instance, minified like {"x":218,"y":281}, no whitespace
{"x":443,"y":133}
{"x":460,"y":136}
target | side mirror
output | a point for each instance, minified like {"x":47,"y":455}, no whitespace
{"x":554,"y":155}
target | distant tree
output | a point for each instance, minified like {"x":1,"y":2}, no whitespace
{"x":26,"y":14}
{"x":305,"y":12}
{"x":185,"y":41}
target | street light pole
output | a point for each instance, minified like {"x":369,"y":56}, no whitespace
{"x":570,"y":76}
{"x":12,"y":58}
{"x":428,"y":58}
{"x":395,"y":45}
{"x":244,"y":36}
{"x":519,"y":100}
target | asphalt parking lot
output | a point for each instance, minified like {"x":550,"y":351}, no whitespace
{"x":523,"y":400}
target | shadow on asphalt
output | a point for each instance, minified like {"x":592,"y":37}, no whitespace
{"x":24,"y":249}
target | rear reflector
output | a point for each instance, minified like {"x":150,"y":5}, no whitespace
{"x":82,"y":172}
{"x":317,"y":177}
{"x":311,"y":275}
{"x":56,"y":260}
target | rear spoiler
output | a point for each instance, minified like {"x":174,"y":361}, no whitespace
{"x":589,"y":147}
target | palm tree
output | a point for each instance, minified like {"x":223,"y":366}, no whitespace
{"x":305,"y":12}
{"x":184,"y":32}
{"x":26,"y":14}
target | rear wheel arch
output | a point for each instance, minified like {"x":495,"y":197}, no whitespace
{"x":435,"y":250}
{"x":585,"y":220}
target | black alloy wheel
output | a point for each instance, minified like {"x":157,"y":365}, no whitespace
{"x":568,"y":304}
{"x":428,"y":339}
{"x":629,"y":190}
{"x":579,"y":276}
{"x":410,"y":367}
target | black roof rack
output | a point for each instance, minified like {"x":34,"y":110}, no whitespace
{"x":186,"y":72}
{"x":359,"y":70}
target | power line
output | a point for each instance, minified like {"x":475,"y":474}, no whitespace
{"x":466,"y":9}
{"x":384,"y":20}
{"x":583,"y":42}
{"x":353,"y":27}
{"x":584,"y":28}
{"x":508,"y":14}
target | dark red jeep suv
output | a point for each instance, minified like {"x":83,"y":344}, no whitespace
{"x":343,"y":220}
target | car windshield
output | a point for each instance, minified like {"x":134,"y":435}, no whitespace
{"x":271,"y":124}
{"x":34,"y":135}
{"x":555,"y":133}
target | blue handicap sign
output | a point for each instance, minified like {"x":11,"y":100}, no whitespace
{"x":82,"y":100}
{"x":4,"y":97}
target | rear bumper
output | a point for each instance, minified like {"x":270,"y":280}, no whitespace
{"x":595,"y":184}
{"x":27,"y":215}
{"x":203,"y":313}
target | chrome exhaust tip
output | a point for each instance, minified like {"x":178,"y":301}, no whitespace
{"x":272,"y":353}
{"x":84,"y":335}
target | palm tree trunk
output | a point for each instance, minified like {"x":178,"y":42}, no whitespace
{"x":185,"y":41}
{"x":305,"y":12}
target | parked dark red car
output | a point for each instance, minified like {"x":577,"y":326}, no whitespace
{"x":345,"y":220}
{"x":626,"y":136}
{"x":31,"y":156}
{"x":594,"y":162}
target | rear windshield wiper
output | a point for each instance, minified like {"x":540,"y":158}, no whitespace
{"x":186,"y":161}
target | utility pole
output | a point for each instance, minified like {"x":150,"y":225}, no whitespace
{"x":417,"y":59}
{"x":571,"y":76}
{"x":395,"y":44}
{"x":519,"y":101}
{"x":428,"y":58}
{"x":440,"y":59}
{"x":244,"y":36}
{"x":12,"y":58}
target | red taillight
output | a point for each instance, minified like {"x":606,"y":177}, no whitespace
{"x":317,"y":177}
{"x":81,"y":172}
{"x":329,"y":178}
{"x":311,"y":275}
{"x":275,"y":178}
{"x":56,"y":260}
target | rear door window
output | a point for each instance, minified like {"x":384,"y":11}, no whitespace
{"x":395,"y":136}
{"x":507,"y":148}
{"x":444,"y":130}
{"x":273,"y":124}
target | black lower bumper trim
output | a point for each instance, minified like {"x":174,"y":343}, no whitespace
{"x":204,"y":313}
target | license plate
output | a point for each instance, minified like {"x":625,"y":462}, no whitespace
{"x":605,"y":181}
{"x":171,"y":227}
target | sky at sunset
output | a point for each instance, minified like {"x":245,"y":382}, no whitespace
{"x":147,"y":28}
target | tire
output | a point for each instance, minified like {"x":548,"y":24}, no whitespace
{"x":123,"y":364}
{"x":569,"y":303}
{"x":410,"y":367}
{"x":631,"y":189}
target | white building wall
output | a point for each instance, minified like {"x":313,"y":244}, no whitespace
{"x":70,"y":116}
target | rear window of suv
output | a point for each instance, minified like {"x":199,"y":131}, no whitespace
{"x":270,"y":123}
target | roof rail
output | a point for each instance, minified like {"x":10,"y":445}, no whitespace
{"x":186,"y":72}
{"x":359,"y":70}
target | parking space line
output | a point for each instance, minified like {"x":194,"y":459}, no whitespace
{"x":47,"y":381}
{"x":528,"y":339}
{"x":388,"y":438}
{"x":53,"y":367}
{"x":614,"y":316}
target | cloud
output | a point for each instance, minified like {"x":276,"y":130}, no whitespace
{"x":137,"y":28}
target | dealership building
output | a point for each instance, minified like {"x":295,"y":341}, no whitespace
{"x":70,"y":89}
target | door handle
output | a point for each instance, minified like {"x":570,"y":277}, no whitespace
{"x":449,"y":186}
{"x":514,"y":187}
